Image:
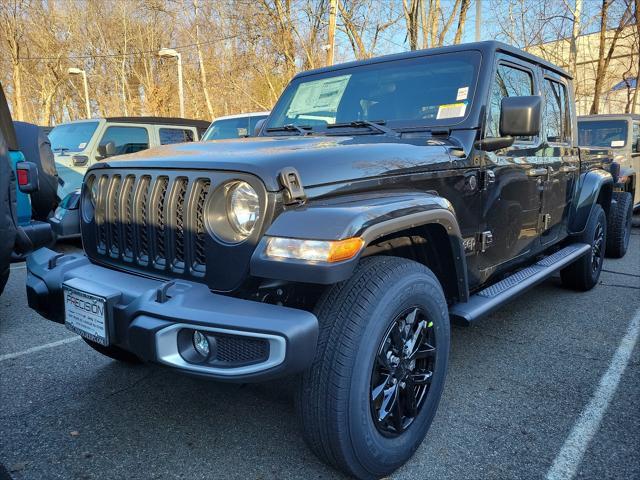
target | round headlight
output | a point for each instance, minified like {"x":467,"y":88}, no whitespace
{"x":89,"y":198}
{"x":243,"y":208}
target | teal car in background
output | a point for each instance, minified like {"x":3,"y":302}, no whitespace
{"x":28,"y":182}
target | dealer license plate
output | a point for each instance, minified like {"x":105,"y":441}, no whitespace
{"x":86,"y":315}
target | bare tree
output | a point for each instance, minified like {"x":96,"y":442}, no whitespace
{"x":604,"y":55}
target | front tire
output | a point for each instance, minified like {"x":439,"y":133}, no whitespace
{"x":583,"y":274}
{"x":619,"y":225}
{"x":371,"y":394}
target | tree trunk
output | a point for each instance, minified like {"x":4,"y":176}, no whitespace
{"x":634,"y":101}
{"x":575,"y":32}
{"x":464,"y":6}
{"x":17,"y":91}
{"x":203,"y":72}
{"x":605,"y":60}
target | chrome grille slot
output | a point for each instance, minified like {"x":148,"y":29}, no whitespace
{"x":127,"y":220}
{"x":159,"y":202}
{"x":179,"y":194}
{"x":142,"y":224}
{"x":113,"y":216}
{"x":201,"y":191}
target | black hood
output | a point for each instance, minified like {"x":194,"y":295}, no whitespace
{"x":320,"y":160}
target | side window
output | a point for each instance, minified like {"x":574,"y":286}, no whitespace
{"x":175,"y":135}
{"x":509,"y":82}
{"x":556,"y":112}
{"x":126,"y":139}
{"x":635,"y":137}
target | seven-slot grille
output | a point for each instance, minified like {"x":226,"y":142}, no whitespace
{"x":152,"y":220}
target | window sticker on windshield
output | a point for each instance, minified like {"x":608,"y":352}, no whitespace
{"x":82,"y":145}
{"x":617,"y":143}
{"x":451,"y":110}
{"x":463,"y":93}
{"x":318,"y":96}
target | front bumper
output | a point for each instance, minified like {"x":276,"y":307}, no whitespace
{"x":153,"y":319}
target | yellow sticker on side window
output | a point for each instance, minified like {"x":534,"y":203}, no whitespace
{"x":451,"y":110}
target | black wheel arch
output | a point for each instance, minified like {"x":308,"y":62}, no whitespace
{"x":414,"y":225}
{"x":595,"y":187}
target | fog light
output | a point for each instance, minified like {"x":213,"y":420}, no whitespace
{"x":200,"y":343}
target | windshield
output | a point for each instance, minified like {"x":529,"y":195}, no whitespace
{"x":232,"y":128}
{"x":602,"y":133}
{"x":72,"y":137}
{"x":430,"y":91}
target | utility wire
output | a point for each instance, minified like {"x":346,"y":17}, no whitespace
{"x":129,"y":54}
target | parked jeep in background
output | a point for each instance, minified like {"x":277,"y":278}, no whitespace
{"x":80,"y":144}
{"x":382,"y":199}
{"x":234,"y":126}
{"x":621,"y":134}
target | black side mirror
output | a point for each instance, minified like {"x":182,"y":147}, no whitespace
{"x":520,"y":116}
{"x":107,"y":149}
{"x":258,"y":127}
{"x":27,"y":173}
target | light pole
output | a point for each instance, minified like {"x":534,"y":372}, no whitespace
{"x":79,"y":71}
{"x":169,"y":53}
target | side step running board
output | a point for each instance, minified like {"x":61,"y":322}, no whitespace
{"x":492,"y":297}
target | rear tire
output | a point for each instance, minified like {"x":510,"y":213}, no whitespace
{"x":619,"y":225}
{"x":114,"y":352}
{"x":583,"y":274}
{"x":341,"y":398}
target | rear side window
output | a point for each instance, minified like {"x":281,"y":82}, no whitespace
{"x":175,"y":135}
{"x":556,"y":112}
{"x":636,"y":137}
{"x":126,"y":139}
{"x":509,"y":82}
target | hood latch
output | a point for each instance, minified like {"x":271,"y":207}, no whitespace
{"x":290,"y":180}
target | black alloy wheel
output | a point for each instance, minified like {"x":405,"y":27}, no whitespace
{"x":402,"y":371}
{"x":597,"y":249}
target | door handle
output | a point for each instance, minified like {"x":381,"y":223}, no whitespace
{"x":536,"y":172}
{"x":568,"y":168}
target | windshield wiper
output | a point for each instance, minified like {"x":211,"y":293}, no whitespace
{"x":290,"y":127}
{"x":377,"y":125}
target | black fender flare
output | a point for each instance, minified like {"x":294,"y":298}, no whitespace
{"x":594,"y":186}
{"x":367,"y":216}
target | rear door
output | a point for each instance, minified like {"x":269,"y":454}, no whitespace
{"x":514,"y":177}
{"x":561,"y":159}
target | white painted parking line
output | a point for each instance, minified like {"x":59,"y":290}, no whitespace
{"x":9,"y":356}
{"x":568,"y":460}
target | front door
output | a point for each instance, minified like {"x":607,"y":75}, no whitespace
{"x":514,"y":180}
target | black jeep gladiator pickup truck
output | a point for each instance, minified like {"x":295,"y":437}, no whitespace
{"x":381,"y":199}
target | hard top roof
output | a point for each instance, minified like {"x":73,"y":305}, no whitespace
{"x":487,"y":48}
{"x":186,"y":122}
{"x":160,"y":121}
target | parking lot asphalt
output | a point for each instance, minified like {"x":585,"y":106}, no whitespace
{"x":519,"y":384}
